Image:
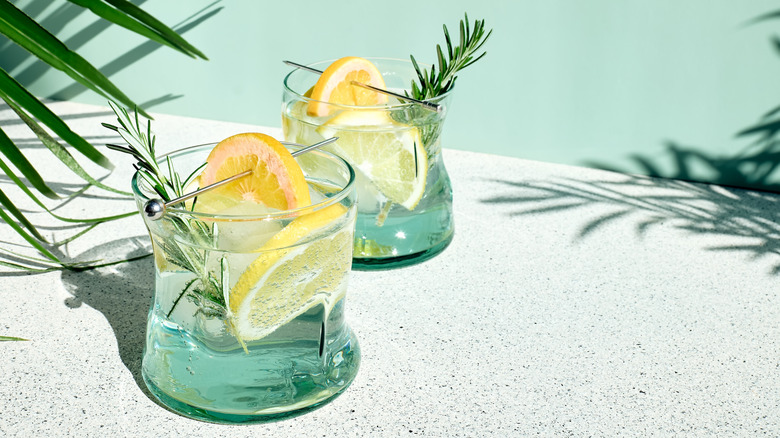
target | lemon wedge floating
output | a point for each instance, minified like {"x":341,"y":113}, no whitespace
{"x":300,"y":267}
{"x":388,"y":153}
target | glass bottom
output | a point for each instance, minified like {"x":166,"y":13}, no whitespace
{"x":201,"y":414}
{"x":294,"y":370}
{"x":392,"y":262}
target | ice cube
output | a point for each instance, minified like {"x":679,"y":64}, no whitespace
{"x":245,"y":234}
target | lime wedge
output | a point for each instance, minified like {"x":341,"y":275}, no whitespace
{"x":388,"y":153}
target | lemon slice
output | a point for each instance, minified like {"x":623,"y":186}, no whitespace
{"x":335,"y":86}
{"x":388,"y":153}
{"x":300,"y":267}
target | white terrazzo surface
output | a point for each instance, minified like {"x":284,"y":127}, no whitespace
{"x":572,"y":302}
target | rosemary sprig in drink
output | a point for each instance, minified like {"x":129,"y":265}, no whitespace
{"x":206,"y":289}
{"x":433,"y":83}
{"x":140,"y":145}
{"x":430,"y":85}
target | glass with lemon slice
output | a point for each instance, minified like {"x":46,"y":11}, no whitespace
{"x":404,"y":193}
{"x":247,"y":322}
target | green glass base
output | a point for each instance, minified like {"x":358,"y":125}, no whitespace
{"x":263,"y":400}
{"x":392,"y":262}
{"x":201,"y":414}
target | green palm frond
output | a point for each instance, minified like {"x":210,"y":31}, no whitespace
{"x":18,"y":97}
{"x":133,"y":18}
{"x":54,"y":133}
{"x":31,"y":36}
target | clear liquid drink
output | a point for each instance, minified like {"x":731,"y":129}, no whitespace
{"x":252,"y":328}
{"x":404,"y":192}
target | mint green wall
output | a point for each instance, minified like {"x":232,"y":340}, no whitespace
{"x":569,"y":81}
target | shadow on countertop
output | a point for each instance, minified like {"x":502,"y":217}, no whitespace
{"x":751,"y":216}
{"x":122,"y":293}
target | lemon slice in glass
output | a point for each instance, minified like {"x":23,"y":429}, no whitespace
{"x":335,"y":86}
{"x":388,"y":153}
{"x":303,"y":265}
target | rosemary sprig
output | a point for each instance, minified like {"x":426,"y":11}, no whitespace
{"x":433,"y":83}
{"x":141,"y":146}
{"x":206,"y":289}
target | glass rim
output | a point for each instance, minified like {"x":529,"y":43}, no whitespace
{"x":282,"y":214}
{"x":300,"y":96}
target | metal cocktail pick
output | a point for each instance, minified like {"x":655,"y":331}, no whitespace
{"x":154,"y":208}
{"x":429,"y":105}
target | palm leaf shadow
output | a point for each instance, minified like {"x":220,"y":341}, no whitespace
{"x":139,"y":52}
{"x":756,"y":166}
{"x":122,"y":293}
{"x":695,"y":208}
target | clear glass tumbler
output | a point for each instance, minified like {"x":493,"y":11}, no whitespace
{"x":404,"y":192}
{"x":247,"y":322}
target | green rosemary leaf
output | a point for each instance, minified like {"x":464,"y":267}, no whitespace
{"x":206,"y":290}
{"x":183,"y":292}
{"x":27,"y":258}
{"x":475,"y":60}
{"x":154,"y":184}
{"x":449,"y":41}
{"x":29,"y":269}
{"x":193,"y":175}
{"x":11,"y":338}
{"x":171,"y":173}
{"x":442,"y":62}
{"x":457,"y":58}
{"x":462,"y":38}
{"x":92,"y":264}
{"x":420,"y":76}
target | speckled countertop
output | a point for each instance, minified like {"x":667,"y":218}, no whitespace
{"x":572,"y":302}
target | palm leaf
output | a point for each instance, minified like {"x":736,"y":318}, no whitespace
{"x":62,"y":154}
{"x":12,"y":152}
{"x":167,"y":35}
{"x":8,"y":205}
{"x":35,"y":243}
{"x":31,"y":36}
{"x":12,"y":91}
{"x":10,"y":174}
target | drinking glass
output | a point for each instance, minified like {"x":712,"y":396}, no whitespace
{"x":388,"y":234}
{"x":247,"y":321}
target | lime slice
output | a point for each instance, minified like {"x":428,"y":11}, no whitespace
{"x":298,"y":269}
{"x":388,"y":153}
